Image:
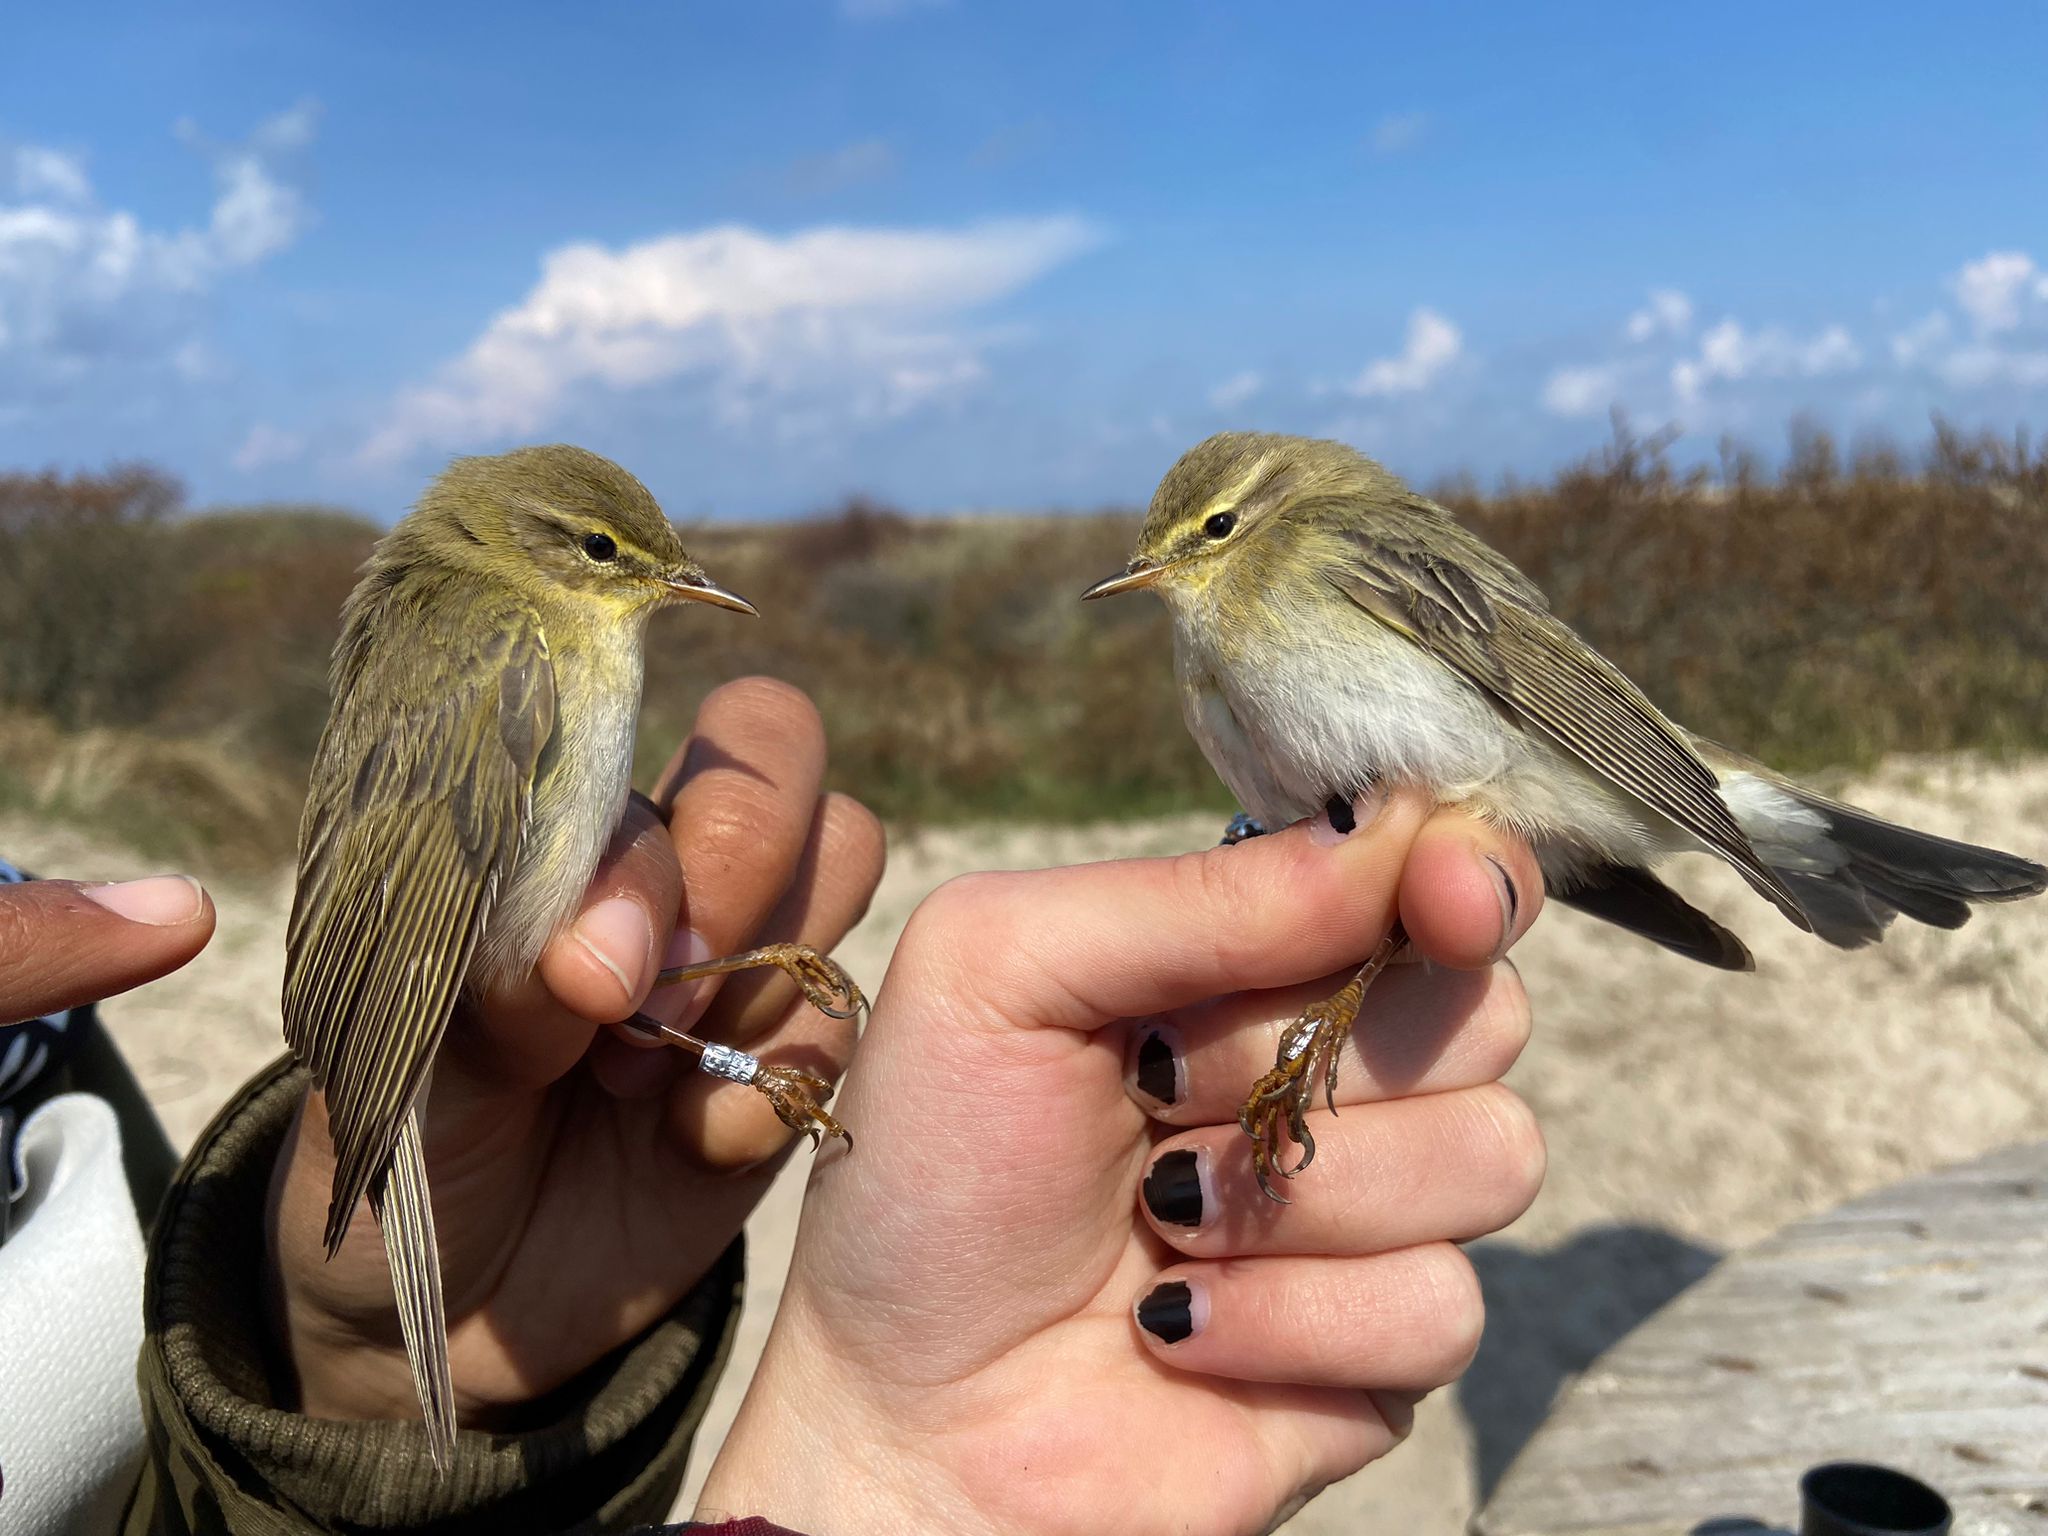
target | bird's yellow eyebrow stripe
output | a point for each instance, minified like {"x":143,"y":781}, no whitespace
{"x":1223,"y":501}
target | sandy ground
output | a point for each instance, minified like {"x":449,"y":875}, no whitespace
{"x":1687,"y":1112}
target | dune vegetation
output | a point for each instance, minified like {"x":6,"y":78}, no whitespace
{"x":162,"y":669}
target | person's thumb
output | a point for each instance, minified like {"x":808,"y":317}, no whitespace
{"x":63,"y":943}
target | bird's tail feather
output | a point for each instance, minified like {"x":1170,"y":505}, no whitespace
{"x":406,"y":1218}
{"x":1853,"y":872}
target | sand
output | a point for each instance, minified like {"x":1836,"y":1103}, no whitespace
{"x":1687,"y":1112}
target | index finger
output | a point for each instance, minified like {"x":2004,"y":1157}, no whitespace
{"x":1076,"y":947}
{"x":63,"y":943}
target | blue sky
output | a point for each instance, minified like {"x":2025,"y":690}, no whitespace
{"x":959,"y":254}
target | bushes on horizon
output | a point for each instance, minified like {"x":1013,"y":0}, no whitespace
{"x":1836,"y":609}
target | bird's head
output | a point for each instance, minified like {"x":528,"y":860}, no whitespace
{"x":557,"y":521}
{"x":1229,"y":505}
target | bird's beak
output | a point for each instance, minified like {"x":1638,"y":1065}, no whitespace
{"x":693,"y":586}
{"x":1139,"y":573}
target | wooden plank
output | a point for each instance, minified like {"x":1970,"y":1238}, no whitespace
{"x":1909,"y":1327}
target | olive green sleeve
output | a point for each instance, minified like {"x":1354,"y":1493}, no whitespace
{"x":222,"y":1459}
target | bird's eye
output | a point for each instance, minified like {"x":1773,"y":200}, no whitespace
{"x":599,"y":546}
{"x":1219,"y":525}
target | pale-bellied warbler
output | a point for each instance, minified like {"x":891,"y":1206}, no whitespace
{"x":476,"y":761}
{"x":1334,"y":631}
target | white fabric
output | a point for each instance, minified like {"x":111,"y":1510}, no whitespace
{"x":70,"y":1327}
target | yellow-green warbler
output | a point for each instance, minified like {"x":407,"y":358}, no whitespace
{"x":474,"y":766}
{"x":1335,"y":631}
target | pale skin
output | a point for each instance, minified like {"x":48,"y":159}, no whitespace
{"x":961,"y":1303}
{"x":957,"y":1333}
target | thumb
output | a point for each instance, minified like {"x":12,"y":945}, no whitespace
{"x":63,"y":943}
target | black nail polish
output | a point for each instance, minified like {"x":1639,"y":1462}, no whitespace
{"x":1508,"y":884}
{"x":1156,"y":1076}
{"x":1338,"y":809}
{"x":1173,"y":1190}
{"x":1168,"y":1313}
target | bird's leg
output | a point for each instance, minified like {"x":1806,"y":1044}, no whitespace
{"x":1242,"y":828}
{"x":1279,"y":1101}
{"x":797,"y":1097}
{"x":824,"y":982}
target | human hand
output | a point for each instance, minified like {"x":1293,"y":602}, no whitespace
{"x":64,"y":943}
{"x":956,"y":1348}
{"x":583,"y":1179}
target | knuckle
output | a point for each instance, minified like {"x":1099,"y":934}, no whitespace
{"x":963,"y":907}
{"x":18,"y":942}
{"x":1232,"y":892}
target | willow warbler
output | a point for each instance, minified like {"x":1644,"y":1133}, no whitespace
{"x":1332,"y":629}
{"x":475,"y":763}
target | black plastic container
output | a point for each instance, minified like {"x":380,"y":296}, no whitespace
{"x":1853,"y":1498}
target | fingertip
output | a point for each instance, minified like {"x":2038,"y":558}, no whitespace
{"x":1469,"y":891}
{"x":854,"y":835}
{"x":155,"y":901}
{"x":1171,"y":1311}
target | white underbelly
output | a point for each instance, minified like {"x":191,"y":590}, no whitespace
{"x":579,"y":798}
{"x":1330,"y":718}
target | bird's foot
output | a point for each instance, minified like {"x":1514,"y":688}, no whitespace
{"x":1277,"y":1107}
{"x":823,"y":980}
{"x":798,"y":1099}
{"x":1279,"y":1101}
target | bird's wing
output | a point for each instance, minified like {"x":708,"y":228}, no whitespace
{"x":1545,"y":676}
{"x":414,"y":819}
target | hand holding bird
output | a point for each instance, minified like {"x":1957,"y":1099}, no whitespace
{"x":569,"y":1158}
{"x":1336,"y":633}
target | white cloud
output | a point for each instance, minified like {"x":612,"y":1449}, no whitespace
{"x":852,"y":321}
{"x":40,"y":172}
{"x":1994,"y":289}
{"x":80,"y":281}
{"x":1731,"y":352}
{"x":1667,"y":313}
{"x":1978,"y":365}
{"x":1433,"y":345}
{"x":267,"y":445}
{"x":1581,"y":391}
{"x":1918,"y":341}
{"x":1398,"y":132}
{"x":1236,"y":390}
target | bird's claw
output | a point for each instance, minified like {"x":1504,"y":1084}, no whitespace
{"x":822,"y":980}
{"x":825,"y":983}
{"x":798,"y":1099}
{"x":1280,"y":1099}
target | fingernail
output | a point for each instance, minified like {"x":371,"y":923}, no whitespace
{"x":1158,"y":1071}
{"x":1173,"y":1311}
{"x":1173,"y":1188}
{"x":1340,"y":818}
{"x":619,"y":936}
{"x":1510,"y":902}
{"x":678,"y":1004}
{"x":159,"y":900}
